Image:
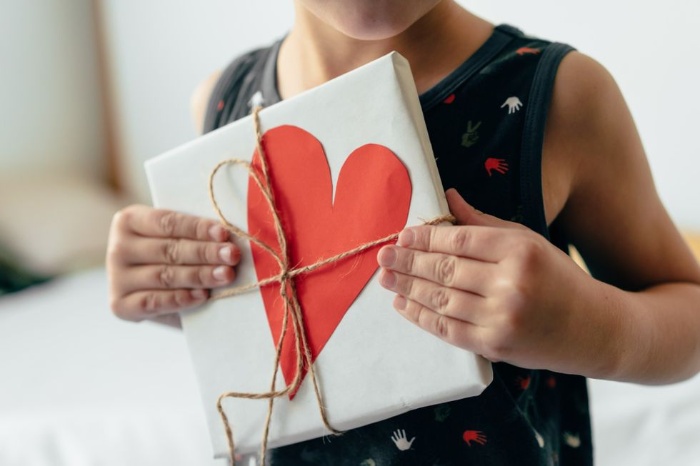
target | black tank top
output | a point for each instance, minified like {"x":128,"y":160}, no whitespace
{"x":486,"y":124}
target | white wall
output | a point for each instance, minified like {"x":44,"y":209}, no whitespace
{"x":162,"y":48}
{"x":50,"y":109}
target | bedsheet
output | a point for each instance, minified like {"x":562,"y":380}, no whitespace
{"x":80,"y":387}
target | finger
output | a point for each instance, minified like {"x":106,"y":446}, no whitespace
{"x":171,"y":277}
{"x":468,"y":215}
{"x":179,"y":251}
{"x":146,"y":221}
{"x":446,"y":269}
{"x":442,"y":300}
{"x":454,"y":331}
{"x":486,"y":244}
{"x":154,"y":304}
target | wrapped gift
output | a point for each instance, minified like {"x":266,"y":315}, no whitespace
{"x":344,"y":164}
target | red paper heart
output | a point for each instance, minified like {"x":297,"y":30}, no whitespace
{"x":371,"y":201}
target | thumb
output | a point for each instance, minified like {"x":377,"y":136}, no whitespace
{"x":468,"y":215}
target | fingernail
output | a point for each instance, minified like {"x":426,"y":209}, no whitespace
{"x":226,"y":254}
{"x":387,"y":256}
{"x":400,"y":302}
{"x":406,"y":237}
{"x":388,"y":279}
{"x":199,"y":294}
{"x":220,"y":272}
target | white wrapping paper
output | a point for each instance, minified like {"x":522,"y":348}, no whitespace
{"x":376,"y":364}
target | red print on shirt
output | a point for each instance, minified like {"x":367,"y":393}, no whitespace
{"x":523,"y":50}
{"x":498,"y":165}
{"x":450,"y":98}
{"x":475,"y":436}
{"x":523,"y":382}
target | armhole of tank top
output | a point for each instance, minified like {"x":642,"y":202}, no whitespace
{"x":221,"y":89}
{"x":229,"y":84}
{"x":533,"y":137}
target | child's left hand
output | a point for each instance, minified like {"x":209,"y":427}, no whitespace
{"x":495,"y":288}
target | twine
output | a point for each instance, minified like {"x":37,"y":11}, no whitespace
{"x":288,"y":293}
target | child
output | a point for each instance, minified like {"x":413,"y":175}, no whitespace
{"x":545,"y":173}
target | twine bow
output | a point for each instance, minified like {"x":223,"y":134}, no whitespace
{"x":288,"y":292}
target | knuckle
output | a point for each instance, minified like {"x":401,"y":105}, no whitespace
{"x":409,"y":259}
{"x":442,"y":327}
{"x":166,"y":276}
{"x":445,"y":270}
{"x":201,"y":277}
{"x":404,"y":285}
{"x":528,"y":252}
{"x":206,"y":254}
{"x":181,"y":298}
{"x":439,"y":299}
{"x":149,"y":304}
{"x":201,"y":228}
{"x":460,"y":239}
{"x":167,"y":223}
{"x":431,"y":237}
{"x":171,"y":251}
{"x":496,"y":347}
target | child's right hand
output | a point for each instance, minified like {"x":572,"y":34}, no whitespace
{"x":160,"y":262}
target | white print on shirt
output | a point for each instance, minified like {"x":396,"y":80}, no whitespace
{"x":513,"y":104}
{"x":401,"y":441}
{"x":573,"y":440}
{"x":257,"y":100}
{"x":368,"y":462}
{"x":540,"y":439}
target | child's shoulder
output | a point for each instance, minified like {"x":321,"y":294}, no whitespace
{"x":230,"y":77}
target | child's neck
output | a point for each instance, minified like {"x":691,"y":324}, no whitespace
{"x":435,"y":45}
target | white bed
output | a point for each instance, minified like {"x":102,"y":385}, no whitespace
{"x":78,"y":387}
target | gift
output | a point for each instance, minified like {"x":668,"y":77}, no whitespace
{"x":314,"y":186}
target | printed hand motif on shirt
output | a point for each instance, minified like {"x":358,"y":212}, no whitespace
{"x":572,"y":440}
{"x":523,"y":382}
{"x":514,"y":104}
{"x":540,"y":439}
{"x":471,"y":136}
{"x":498,"y":165}
{"x":401,"y":441}
{"x":475,"y":436}
{"x":527,"y":50}
{"x":257,"y":100}
{"x":442,"y":412}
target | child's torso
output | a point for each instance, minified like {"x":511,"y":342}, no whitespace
{"x":486,"y":125}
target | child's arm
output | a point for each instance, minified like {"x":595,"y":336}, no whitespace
{"x":503,"y":291}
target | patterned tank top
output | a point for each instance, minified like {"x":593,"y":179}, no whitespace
{"x":486,"y":124}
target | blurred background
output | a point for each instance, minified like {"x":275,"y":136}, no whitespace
{"x":90,"y":89}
